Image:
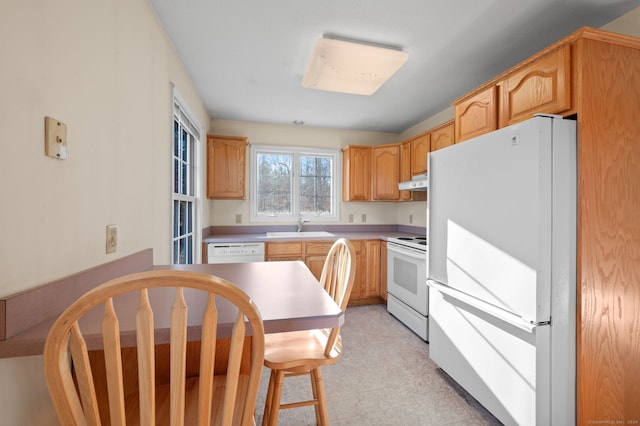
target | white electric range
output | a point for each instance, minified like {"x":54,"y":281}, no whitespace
{"x":408,"y":294}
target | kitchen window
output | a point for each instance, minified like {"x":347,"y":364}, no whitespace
{"x":288,"y":183}
{"x":186,"y":137}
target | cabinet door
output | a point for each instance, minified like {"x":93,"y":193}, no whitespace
{"x":284,"y":251}
{"x":357,"y":292}
{"x":477,"y":115}
{"x":385,"y":167}
{"x":316,"y":255}
{"x":356,"y":173}
{"x":543,"y":86}
{"x":420,"y":147}
{"x":226,"y":167}
{"x":315,"y":264}
{"x":443,"y":136}
{"x":372,"y":268}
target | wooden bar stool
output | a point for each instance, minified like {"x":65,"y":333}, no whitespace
{"x":304,"y":352}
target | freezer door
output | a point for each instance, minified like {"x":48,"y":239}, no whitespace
{"x":490,"y":217}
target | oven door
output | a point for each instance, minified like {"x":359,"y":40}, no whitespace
{"x":407,"y":276}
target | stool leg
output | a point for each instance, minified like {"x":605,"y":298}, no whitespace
{"x":321,"y":409}
{"x":267,"y":404}
{"x":275,"y":399}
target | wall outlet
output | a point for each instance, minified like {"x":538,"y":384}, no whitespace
{"x":363,"y":218}
{"x":112,"y":238}
{"x":238,"y":218}
{"x":350,"y":217}
{"x":410,"y":218}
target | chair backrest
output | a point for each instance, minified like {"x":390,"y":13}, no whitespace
{"x":223,"y":307}
{"x":337,"y":279}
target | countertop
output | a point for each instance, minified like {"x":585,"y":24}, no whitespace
{"x":252,"y":234}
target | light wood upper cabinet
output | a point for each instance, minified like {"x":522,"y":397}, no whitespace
{"x":226,"y":157}
{"x":542,"y":86}
{"x":385,"y":170}
{"x":356,"y":173}
{"x":420,"y":147}
{"x":476,"y":114}
{"x":443,"y":136}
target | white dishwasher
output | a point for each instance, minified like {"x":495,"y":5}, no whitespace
{"x":235,"y":252}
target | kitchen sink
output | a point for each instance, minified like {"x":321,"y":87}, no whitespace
{"x":302,"y":234}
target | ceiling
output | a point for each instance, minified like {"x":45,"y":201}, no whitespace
{"x":247,"y":57}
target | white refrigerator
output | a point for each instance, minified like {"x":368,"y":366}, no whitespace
{"x":501,"y":230}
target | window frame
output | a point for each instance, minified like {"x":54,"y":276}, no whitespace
{"x":180,"y":113}
{"x":297,"y":152}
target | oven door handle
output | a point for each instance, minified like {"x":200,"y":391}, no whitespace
{"x":411,"y":253}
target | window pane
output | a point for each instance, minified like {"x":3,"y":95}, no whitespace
{"x":183,"y":145}
{"x":184,"y":173}
{"x":315,"y":185}
{"x":189,"y":250}
{"x":176,"y":251}
{"x":274,"y":183}
{"x":176,"y":138}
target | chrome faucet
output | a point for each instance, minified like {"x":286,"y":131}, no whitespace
{"x":301,"y":221}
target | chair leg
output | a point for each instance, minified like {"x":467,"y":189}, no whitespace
{"x":267,"y":404}
{"x":322,"y":417}
{"x":276,"y":395}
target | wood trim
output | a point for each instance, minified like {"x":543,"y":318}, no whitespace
{"x":608,"y":273}
{"x":24,"y":310}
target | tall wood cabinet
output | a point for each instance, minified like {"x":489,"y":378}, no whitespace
{"x":226,"y":158}
{"x":385,"y":171}
{"x":420,"y":147}
{"x":356,"y":173}
{"x":594,"y":76}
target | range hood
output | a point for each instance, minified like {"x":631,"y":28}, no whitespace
{"x":417,"y":183}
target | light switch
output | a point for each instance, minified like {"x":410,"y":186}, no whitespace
{"x":55,"y":138}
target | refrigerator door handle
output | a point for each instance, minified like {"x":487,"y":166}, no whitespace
{"x":488,"y":308}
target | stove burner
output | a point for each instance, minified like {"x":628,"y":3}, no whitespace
{"x":418,"y":243}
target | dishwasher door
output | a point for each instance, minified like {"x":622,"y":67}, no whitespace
{"x":235,"y":252}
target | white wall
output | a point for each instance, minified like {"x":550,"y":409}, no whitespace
{"x":628,"y":24}
{"x":105,"y":69}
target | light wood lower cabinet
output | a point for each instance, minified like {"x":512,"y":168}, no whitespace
{"x":366,"y":286}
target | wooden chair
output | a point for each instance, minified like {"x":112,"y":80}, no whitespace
{"x":304,"y":352}
{"x":201,"y":399}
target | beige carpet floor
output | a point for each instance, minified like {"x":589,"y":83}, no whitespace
{"x":385,"y":377}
